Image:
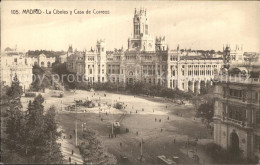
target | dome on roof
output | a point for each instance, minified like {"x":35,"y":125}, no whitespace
{"x":238,"y":70}
{"x":8,"y":49}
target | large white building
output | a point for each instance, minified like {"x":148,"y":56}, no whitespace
{"x":43,"y":61}
{"x":237,"y":111}
{"x":146,"y":59}
{"x":16,"y":64}
{"x":20,"y":64}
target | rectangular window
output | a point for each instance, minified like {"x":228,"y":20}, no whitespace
{"x":257,"y":142}
{"x":235,"y":93}
{"x":257,"y":117}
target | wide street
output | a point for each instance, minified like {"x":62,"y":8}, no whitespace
{"x":165,"y":127}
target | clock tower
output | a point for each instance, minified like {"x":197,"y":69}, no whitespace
{"x":141,"y":39}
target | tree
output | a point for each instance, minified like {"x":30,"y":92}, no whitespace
{"x":34,"y":130}
{"x":42,"y":134}
{"x":52,"y":149}
{"x":14,"y":118}
{"x":42,"y":78}
{"x":206,"y":111}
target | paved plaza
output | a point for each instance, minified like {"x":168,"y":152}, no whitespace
{"x":164,"y":127}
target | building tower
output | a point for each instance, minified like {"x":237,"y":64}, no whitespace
{"x":141,"y":39}
{"x":160,"y":44}
{"x":101,"y":60}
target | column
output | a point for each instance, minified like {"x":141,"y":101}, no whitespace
{"x":192,"y":86}
{"x":186,"y":86}
{"x":198,"y":87}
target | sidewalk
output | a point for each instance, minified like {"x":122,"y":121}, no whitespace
{"x":66,"y":150}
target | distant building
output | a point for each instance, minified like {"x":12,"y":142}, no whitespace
{"x":16,"y":64}
{"x":237,"y":111}
{"x":43,"y":61}
{"x":62,"y":58}
{"x":234,"y":56}
{"x":147,"y":60}
{"x":252,"y":57}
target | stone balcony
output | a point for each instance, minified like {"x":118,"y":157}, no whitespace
{"x":233,"y":121}
{"x":236,"y":79}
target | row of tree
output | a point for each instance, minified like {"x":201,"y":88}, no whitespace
{"x":28,"y":136}
{"x":48,"y":53}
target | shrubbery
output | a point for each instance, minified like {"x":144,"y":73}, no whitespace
{"x":157,"y":90}
{"x":136,"y":88}
{"x":222,"y":156}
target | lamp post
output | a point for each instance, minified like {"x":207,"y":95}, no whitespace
{"x":76,"y":124}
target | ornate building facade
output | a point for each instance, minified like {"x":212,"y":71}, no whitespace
{"x":233,"y":57}
{"x":146,"y":59}
{"x":16,"y":64}
{"x":237,"y":111}
{"x":43,"y":61}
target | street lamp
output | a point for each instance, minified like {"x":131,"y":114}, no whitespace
{"x":76,"y":123}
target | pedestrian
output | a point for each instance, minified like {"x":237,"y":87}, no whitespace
{"x":161,"y":129}
{"x":64,"y":137}
{"x":72,"y":152}
{"x":168,"y":118}
{"x":136,"y":111}
{"x":137,"y":133}
{"x":155,"y":119}
{"x":106,"y":113}
{"x":70,"y":159}
{"x":174,"y":141}
{"x":120,"y":144}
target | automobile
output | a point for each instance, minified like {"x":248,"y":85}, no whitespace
{"x":163,"y":160}
{"x":116,"y":127}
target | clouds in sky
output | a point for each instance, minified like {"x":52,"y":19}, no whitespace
{"x":196,"y":25}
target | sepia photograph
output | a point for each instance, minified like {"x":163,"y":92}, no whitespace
{"x":130,"y":82}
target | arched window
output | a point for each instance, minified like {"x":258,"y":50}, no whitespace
{"x":49,"y":64}
{"x":42,"y":63}
{"x":131,"y":73}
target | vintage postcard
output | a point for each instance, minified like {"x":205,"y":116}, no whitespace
{"x":130,"y":82}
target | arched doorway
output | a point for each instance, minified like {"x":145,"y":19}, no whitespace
{"x":234,"y":143}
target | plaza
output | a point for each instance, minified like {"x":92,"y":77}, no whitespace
{"x":165,"y":127}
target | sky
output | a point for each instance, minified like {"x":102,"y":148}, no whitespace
{"x":197,"y":25}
